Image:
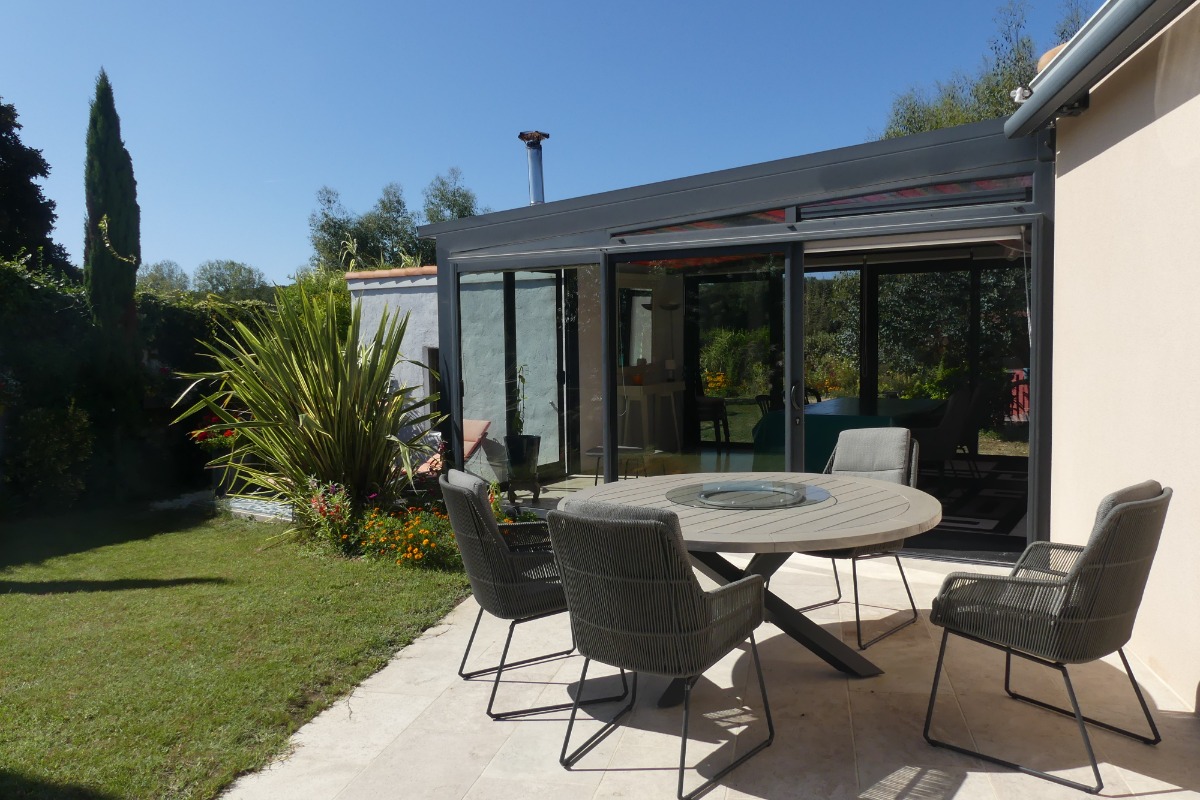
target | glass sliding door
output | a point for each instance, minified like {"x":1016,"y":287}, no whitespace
{"x":934,"y":338}
{"x":832,"y":359}
{"x":530,"y":375}
{"x":699,"y":362}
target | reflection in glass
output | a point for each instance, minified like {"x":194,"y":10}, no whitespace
{"x":531,"y":366}
{"x":713,"y":350}
{"x":831,"y":334}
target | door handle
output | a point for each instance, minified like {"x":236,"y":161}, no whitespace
{"x":798,"y":406}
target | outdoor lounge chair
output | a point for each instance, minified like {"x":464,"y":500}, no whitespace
{"x":635,"y":604}
{"x":1061,"y":604}
{"x":511,"y":570}
{"x":474,"y":432}
{"x":886,"y":454}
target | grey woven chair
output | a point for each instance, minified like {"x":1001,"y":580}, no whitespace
{"x":512,"y":573}
{"x":885,"y":454}
{"x":635,"y":604}
{"x":1061,"y":604}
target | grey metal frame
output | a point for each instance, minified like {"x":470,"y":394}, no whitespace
{"x":596,"y":229}
{"x":1100,"y":47}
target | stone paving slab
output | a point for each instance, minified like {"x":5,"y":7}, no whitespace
{"x":416,"y":730}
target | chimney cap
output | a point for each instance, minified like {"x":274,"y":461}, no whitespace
{"x":532,"y":138}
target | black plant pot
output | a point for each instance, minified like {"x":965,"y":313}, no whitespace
{"x":222,"y":481}
{"x":522,"y":464}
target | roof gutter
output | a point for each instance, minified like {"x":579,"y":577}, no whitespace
{"x":1113,"y":34}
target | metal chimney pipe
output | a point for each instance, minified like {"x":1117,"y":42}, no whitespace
{"x":533,"y":149}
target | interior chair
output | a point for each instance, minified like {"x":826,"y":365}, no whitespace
{"x":1061,"y":604}
{"x":635,"y":604}
{"x":713,"y":409}
{"x":886,"y":454}
{"x":941,"y":443}
{"x":764,"y":403}
{"x":511,"y":570}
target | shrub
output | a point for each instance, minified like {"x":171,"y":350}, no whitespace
{"x":329,"y":519}
{"x":417,"y":537}
{"x":315,"y":403}
{"x":735,"y":362}
{"x":49,"y":454}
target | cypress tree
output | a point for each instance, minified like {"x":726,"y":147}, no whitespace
{"x":111,"y":258}
{"x":110,"y":268}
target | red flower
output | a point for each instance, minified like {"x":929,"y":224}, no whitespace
{"x":230,"y":433}
{"x":201,"y":435}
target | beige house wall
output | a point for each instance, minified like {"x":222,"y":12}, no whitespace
{"x":1127,"y":325}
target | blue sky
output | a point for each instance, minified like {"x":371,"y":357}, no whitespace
{"x":236,"y":113}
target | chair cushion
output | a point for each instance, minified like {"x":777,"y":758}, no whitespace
{"x":879,"y":453}
{"x":474,"y":432}
{"x":465,"y":480}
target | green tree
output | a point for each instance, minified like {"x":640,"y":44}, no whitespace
{"x":1074,"y":14}
{"x":232,"y":280}
{"x":385,"y":234}
{"x":318,"y":282}
{"x":163,"y":277}
{"x":26,"y":216}
{"x":112,"y":252}
{"x":446,"y":198}
{"x":962,"y":98}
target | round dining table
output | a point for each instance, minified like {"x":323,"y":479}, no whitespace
{"x":772,"y":515}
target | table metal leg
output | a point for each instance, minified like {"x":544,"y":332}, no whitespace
{"x":808,"y":633}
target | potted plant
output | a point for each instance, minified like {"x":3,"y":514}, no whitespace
{"x":218,"y":441}
{"x":522,"y":448}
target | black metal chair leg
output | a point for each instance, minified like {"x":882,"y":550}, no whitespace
{"x":524,"y":712}
{"x":462,"y":673}
{"x":1074,"y":712}
{"x":837,"y":582}
{"x":687,"y":695}
{"x":1153,"y":739}
{"x":569,"y":760}
{"x":858,"y":616}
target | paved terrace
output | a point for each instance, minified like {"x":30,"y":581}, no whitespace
{"x":415,"y":730}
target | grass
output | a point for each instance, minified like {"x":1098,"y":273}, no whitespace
{"x":159,"y":656}
{"x":1011,"y":440}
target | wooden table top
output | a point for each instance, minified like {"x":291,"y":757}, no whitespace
{"x":858,"y":511}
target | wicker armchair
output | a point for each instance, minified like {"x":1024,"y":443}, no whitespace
{"x":512,"y":573}
{"x":886,"y":454}
{"x":635,"y":604}
{"x":1062,"y":604}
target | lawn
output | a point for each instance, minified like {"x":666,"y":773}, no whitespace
{"x":160,"y":655}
